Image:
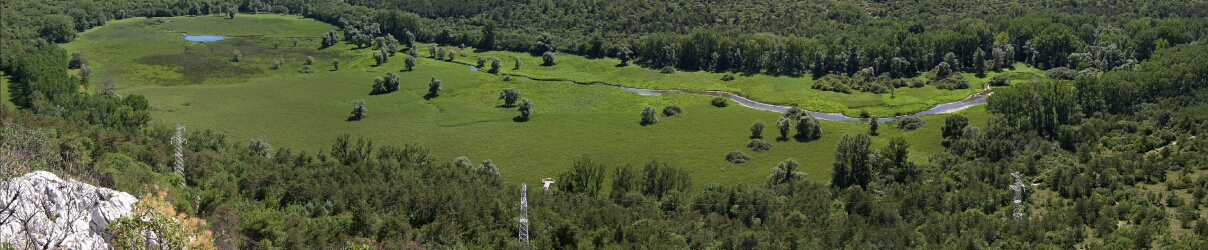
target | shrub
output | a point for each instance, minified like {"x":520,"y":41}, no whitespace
{"x":306,"y":69}
{"x":310,"y":60}
{"x":672,"y":110}
{"x":518,"y":63}
{"x":648,"y":115}
{"x":410,"y":62}
{"x":1061,"y":73}
{"x":954,"y":81}
{"x":1088,"y":72}
{"x":482,"y":62}
{"x":238,"y":56}
{"x":358,"y":110}
{"x":336,"y":63}
{"x":548,"y":58}
{"x":917,"y":83}
{"x":737,"y":157}
{"x":1000,"y":80}
{"x":727,"y":77}
{"x":496,"y":64}
{"x":434,"y":87}
{"x":507,"y":78}
{"x":864,"y":114}
{"x":526,"y":108}
{"x":510,"y":96}
{"x":276,"y":64}
{"x":379,"y":86}
{"x":667,"y":70}
{"x":911,"y":123}
{"x":720,"y":102}
{"x":873,"y":125}
{"x":759,"y":145}
{"x":954,"y":126}
{"x":77,"y":59}
{"x":809,"y":127}
{"x":757,"y":129}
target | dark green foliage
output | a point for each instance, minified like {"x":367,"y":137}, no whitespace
{"x":667,"y":70}
{"x":737,"y":157}
{"x":757,"y":129}
{"x":873,"y":125}
{"x":808,"y":127}
{"x":410,"y":62}
{"x":1061,"y":73}
{"x":306,"y":69}
{"x":584,"y":177}
{"x":42,"y":70}
{"x":784,"y":124}
{"x":335,"y":63}
{"x":1039,"y":106}
{"x":625,"y":180}
{"x":310,"y":60}
{"x":358,"y":110}
{"x":759,"y":145}
{"x":720,"y":102}
{"x":510,"y":96}
{"x":482,"y":62}
{"x":331,"y":38}
{"x":276,"y":64}
{"x":1000,"y":80}
{"x":911,"y":123}
{"x":496,"y":64}
{"x":727,"y":77}
{"x":852,"y":162}
{"x":649,"y":115}
{"x":785,"y":172}
{"x":434,"y":88}
{"x":518,"y":63}
{"x":660,"y":178}
{"x":954,"y":126}
{"x":487,"y":170}
{"x":548,"y":59}
{"x":672,"y":110}
{"x":526,"y":108}
{"x":77,"y":59}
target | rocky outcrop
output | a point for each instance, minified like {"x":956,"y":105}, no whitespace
{"x":42,"y":211}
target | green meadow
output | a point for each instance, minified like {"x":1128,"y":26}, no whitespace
{"x":198,"y":85}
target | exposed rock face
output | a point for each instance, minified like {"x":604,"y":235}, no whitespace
{"x":42,"y":211}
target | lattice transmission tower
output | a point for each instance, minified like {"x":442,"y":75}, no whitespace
{"x":1018,"y":188}
{"x":524,"y":222}
{"x":178,"y":140}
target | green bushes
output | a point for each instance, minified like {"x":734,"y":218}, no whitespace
{"x":911,"y":123}
{"x":672,"y":110}
{"x":720,"y":102}
{"x":649,"y":116}
{"x":737,"y":157}
{"x":759,"y":145}
{"x":1000,"y":80}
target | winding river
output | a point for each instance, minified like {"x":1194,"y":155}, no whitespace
{"x":943,"y":108}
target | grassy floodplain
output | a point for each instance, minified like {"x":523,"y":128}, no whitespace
{"x":198,"y":85}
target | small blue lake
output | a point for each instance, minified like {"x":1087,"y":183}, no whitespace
{"x":203,"y":39}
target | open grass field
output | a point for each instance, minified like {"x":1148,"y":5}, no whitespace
{"x":198,"y":86}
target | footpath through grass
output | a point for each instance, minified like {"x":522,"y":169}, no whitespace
{"x":308,"y":111}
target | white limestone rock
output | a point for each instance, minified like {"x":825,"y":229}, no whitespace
{"x":41,"y":209}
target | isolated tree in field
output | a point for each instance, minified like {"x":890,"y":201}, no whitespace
{"x":336,"y":63}
{"x":873,"y":125}
{"x":785,"y":172}
{"x":231,"y":12}
{"x":784,"y":125}
{"x":487,"y":169}
{"x":439,"y":53}
{"x":518,"y":63}
{"x":379,"y":58}
{"x":452,"y":55}
{"x":276,"y":64}
{"x":482,"y":62}
{"x":392,"y":81}
{"x":809,"y":127}
{"x":649,"y":115}
{"x":358,"y":110}
{"x":549,"y":59}
{"x":434,"y":87}
{"x":526,"y":108}
{"x":310,"y":60}
{"x":295,"y":42}
{"x":625,"y":55}
{"x":496,"y":64}
{"x":757,"y":129}
{"x":237,"y":56}
{"x":852,"y":165}
{"x":510,"y":96}
{"x":954,"y":126}
{"x":410,"y":61}
{"x":585,"y":177}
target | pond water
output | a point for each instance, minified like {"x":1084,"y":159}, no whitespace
{"x":203,"y":38}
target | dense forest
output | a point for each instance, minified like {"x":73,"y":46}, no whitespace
{"x":1113,"y":159}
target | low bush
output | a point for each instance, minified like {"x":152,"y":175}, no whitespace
{"x":672,"y":110}
{"x":1000,"y":80}
{"x":911,"y":123}
{"x":727,"y":77}
{"x":720,"y":102}
{"x":667,"y":70}
{"x":737,"y":157}
{"x":759,"y":145}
